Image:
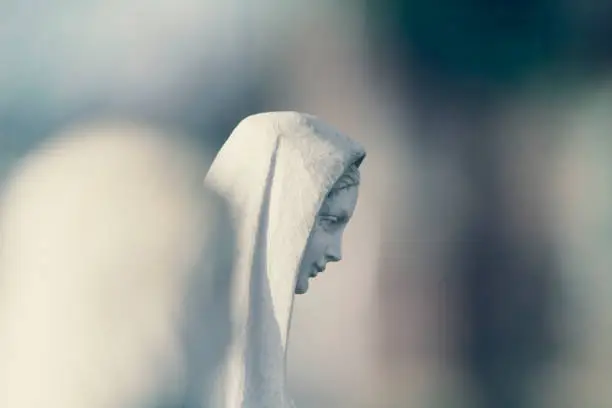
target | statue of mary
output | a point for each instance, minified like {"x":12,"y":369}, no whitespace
{"x":290,"y":182}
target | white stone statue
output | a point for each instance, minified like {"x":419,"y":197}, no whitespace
{"x":291,"y":184}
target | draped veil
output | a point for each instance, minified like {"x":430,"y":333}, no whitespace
{"x":274,"y":171}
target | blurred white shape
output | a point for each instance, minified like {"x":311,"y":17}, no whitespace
{"x":102,"y":231}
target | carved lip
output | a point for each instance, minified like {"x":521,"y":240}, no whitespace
{"x":316,"y":271}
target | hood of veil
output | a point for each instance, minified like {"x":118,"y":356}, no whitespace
{"x":275,"y":170}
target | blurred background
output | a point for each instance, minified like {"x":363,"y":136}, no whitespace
{"x":478,"y":264}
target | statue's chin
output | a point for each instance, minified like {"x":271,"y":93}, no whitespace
{"x":301,"y":289}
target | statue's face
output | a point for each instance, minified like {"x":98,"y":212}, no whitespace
{"x":325,"y":242}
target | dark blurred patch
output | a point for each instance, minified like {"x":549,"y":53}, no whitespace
{"x":490,"y":42}
{"x":510,"y":296}
{"x":456,"y":63}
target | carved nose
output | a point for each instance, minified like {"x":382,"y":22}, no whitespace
{"x":334,"y":250}
{"x":334,"y":256}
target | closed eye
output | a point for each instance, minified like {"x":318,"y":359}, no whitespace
{"x":332,"y":220}
{"x":329,"y":219}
